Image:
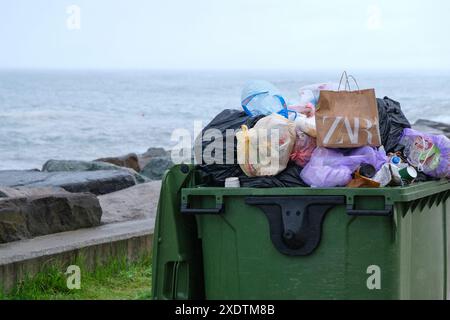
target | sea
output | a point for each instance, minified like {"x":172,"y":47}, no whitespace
{"x":84,"y":115}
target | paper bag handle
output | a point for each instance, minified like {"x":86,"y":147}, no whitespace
{"x":347,"y":83}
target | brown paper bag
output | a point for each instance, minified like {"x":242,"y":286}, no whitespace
{"x":347,"y":119}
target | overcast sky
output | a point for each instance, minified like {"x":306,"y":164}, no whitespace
{"x":231,"y":34}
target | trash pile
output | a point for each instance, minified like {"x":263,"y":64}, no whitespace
{"x":332,"y":136}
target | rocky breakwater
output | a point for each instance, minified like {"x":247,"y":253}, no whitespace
{"x":432,"y":127}
{"x":96,"y":182}
{"x":29,"y":212}
{"x":154,"y":162}
{"x":71,"y":194}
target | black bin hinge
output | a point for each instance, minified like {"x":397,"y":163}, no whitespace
{"x":295,"y":221}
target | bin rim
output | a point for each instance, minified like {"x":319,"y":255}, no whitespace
{"x":392,"y":194}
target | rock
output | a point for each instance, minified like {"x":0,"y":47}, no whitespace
{"x":156,"y":167}
{"x":154,"y":162}
{"x":128,"y":161}
{"x":28,"y":217}
{"x":152,"y":153}
{"x":137,"y":202}
{"x":97,"y":182}
{"x":18,"y":192}
{"x":432,"y":127}
{"x":77,"y":165}
{"x":156,"y":152}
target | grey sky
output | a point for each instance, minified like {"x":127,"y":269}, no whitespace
{"x":232,"y":34}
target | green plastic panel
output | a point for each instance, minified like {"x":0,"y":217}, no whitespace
{"x":231,"y":256}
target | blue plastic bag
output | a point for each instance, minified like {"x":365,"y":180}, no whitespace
{"x":260,"y":97}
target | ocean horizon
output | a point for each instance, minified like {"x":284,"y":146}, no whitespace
{"x":87,"y":114}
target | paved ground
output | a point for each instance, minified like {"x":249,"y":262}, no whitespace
{"x":137,"y":202}
{"x":66,"y":241}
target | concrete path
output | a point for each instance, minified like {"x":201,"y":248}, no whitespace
{"x":72,"y":240}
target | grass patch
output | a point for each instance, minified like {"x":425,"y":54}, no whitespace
{"x":116,"y":280}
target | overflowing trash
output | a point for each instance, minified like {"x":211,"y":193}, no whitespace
{"x":258,"y":143}
{"x":334,"y":167}
{"x":310,"y":94}
{"x":392,"y":122}
{"x":429,"y":153}
{"x":303,"y":148}
{"x":333,"y":136}
{"x":347,"y":119}
{"x":262,"y":98}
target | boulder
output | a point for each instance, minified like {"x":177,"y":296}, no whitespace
{"x":154,"y":162}
{"x":78,"y":165}
{"x":28,"y":217}
{"x":96,"y":182}
{"x":156,"y":167}
{"x":17,"y":192}
{"x":432,"y":127}
{"x":151,"y":153}
{"x":137,"y":202}
{"x":128,"y":161}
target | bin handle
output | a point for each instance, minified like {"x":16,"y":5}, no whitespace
{"x":217,"y":210}
{"x":387,"y":211}
{"x":295,"y":222}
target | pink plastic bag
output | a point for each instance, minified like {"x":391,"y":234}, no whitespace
{"x":308,"y":109}
{"x":303,"y":148}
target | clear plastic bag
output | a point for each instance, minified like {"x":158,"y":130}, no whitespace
{"x":429,"y":153}
{"x":264,"y":150}
{"x":334,"y":167}
{"x":310,"y":93}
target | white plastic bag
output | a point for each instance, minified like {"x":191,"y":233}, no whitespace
{"x":264,"y":150}
{"x":306,"y":124}
{"x":310,"y":93}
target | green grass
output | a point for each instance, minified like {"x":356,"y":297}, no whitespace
{"x":114,"y":280}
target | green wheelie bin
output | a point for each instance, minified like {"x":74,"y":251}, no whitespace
{"x":299,"y":243}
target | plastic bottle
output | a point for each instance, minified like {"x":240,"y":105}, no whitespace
{"x":395,"y":160}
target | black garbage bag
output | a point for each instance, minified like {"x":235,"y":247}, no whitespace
{"x":251,"y":121}
{"x":227,"y":119}
{"x":216,"y":173}
{"x":392,"y":122}
{"x":422,"y":177}
{"x":289,"y":177}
